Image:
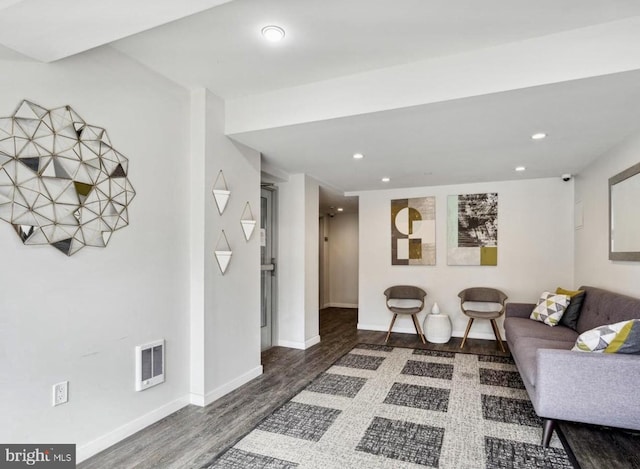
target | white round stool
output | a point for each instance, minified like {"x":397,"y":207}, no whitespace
{"x":437,"y":328}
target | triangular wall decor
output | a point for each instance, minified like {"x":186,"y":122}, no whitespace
{"x":248,"y":222}
{"x":223,"y":258}
{"x":221,"y":197}
{"x":221,"y":192}
{"x":223,"y":253}
{"x":247,"y":228}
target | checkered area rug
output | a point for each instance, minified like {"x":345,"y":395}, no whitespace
{"x":389,"y":407}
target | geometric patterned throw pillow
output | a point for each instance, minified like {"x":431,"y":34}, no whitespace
{"x":621,"y":337}
{"x":550,"y":308}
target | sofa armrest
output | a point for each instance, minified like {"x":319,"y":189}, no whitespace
{"x":597,"y":388}
{"x":519,"y":310}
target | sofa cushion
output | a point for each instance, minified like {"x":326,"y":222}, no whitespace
{"x":524,"y":350}
{"x":517,"y":328}
{"x":621,"y":337}
{"x":603,"y":307}
{"x":550,"y":308}
{"x":571,"y":314}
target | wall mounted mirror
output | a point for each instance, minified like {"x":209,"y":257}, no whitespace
{"x":624,"y":219}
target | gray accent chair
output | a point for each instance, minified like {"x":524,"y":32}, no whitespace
{"x":404,"y":293}
{"x":593,"y":388}
{"x":483,"y":295}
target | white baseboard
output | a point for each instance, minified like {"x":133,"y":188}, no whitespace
{"x":226,"y":388}
{"x":341,"y":305}
{"x":311,"y":342}
{"x":411,"y":330}
{"x":476,"y":335}
{"x":376,"y":327}
{"x":299,"y":345}
{"x":101,"y":443}
{"x":291,"y":344}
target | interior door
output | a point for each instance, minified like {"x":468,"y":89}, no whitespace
{"x":268,"y":267}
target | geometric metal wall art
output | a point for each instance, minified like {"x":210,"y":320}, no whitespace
{"x":61,"y":181}
{"x":413,"y":231}
{"x":472,"y":229}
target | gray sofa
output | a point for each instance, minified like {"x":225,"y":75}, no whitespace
{"x":594,"y":388}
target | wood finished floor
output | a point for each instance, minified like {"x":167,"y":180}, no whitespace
{"x":193,"y":436}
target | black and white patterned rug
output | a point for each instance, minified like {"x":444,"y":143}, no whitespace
{"x":391,"y":407}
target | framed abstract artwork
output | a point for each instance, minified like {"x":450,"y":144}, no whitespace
{"x":413,"y":231}
{"x":472,"y":229}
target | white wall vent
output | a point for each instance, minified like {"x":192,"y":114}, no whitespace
{"x":149,"y":364}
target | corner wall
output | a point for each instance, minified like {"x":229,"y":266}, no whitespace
{"x":535,"y":251}
{"x":225,"y":309}
{"x":298,"y":263}
{"x":79,"y":318}
{"x":592,"y":264}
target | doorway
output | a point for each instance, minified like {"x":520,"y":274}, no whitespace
{"x":268,"y":266}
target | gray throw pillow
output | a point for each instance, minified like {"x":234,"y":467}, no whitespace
{"x":572,"y":313}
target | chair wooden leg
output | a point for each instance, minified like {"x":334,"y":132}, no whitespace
{"x":393,"y":320}
{"x":416,"y":323}
{"x":547,"y":432}
{"x":496,"y":331}
{"x":466,"y":333}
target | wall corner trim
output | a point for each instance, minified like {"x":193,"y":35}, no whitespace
{"x":226,"y":388}
{"x":311,"y":342}
{"x":109,"y":439}
{"x":299,"y":345}
{"x":291,"y":344}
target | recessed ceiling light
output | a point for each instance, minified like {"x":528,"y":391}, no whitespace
{"x":539,"y":136}
{"x":520,"y":168}
{"x":340,"y":209}
{"x":273,"y":33}
{"x":386,"y":179}
{"x":358,"y":156}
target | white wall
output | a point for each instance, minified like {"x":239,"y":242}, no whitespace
{"x":343,"y":260}
{"x":592,"y":264}
{"x":311,"y":249}
{"x":324,"y":260}
{"x":298,"y":263}
{"x":535,"y":250}
{"x":232,"y":300}
{"x":79,"y":318}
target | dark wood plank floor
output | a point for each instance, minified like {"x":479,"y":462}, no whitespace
{"x":193,"y":436}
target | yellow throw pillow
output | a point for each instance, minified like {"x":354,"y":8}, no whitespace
{"x":569,"y":293}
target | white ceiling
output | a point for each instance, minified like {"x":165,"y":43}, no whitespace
{"x":48,"y":30}
{"x":222,"y":50}
{"x":479,"y":137}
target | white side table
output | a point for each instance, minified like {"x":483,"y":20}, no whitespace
{"x":437,"y":328}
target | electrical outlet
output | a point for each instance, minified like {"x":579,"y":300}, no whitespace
{"x":60,"y":393}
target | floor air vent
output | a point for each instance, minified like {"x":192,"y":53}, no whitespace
{"x":149,"y":365}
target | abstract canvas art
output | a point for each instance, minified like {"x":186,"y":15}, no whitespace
{"x":472,"y":229}
{"x":413,"y":231}
{"x":61,"y":181}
